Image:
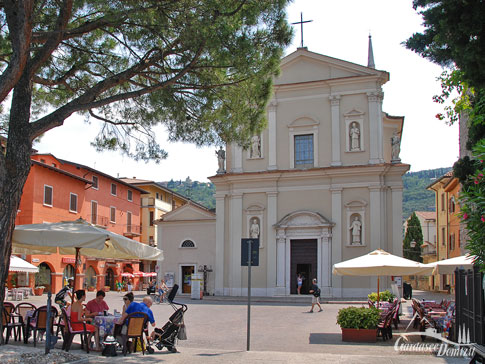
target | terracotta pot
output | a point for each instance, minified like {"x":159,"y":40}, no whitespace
{"x":359,"y":335}
{"x":107,"y":288}
{"x":90,"y":289}
{"x":38,"y":291}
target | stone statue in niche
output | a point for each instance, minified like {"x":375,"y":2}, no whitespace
{"x":221,"y":157}
{"x":255,"y":147}
{"x":396,"y":148}
{"x":254,"y":229}
{"x":354,"y":134}
{"x":355,"y":230}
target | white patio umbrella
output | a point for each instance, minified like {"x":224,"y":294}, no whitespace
{"x":68,"y":236}
{"x":79,"y":237}
{"x":448,"y":266}
{"x":19,"y":265}
{"x":379,"y":263}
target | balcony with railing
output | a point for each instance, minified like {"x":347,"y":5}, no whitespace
{"x":98,"y":220}
{"x":156,"y":203}
{"x":131,"y":230}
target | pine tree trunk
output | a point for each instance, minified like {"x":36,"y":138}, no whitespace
{"x":14,"y":169}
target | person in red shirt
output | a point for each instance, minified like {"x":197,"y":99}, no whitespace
{"x":97,"y":306}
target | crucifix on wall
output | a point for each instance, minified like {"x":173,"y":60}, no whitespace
{"x":301,"y":22}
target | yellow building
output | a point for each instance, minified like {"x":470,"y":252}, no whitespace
{"x":157,"y":203}
{"x":446,"y":190}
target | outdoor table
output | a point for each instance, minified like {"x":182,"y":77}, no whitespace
{"x":106,"y":324}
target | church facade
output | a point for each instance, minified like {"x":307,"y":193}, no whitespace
{"x":320,"y":185}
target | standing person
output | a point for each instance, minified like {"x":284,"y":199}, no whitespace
{"x":60,"y":298}
{"x":130,"y":286}
{"x":77,"y":318}
{"x":119,"y":285}
{"x":299,"y":282}
{"x":315,"y":291}
{"x":97,"y":306}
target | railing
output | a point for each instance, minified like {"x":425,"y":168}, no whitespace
{"x":470,"y":304}
{"x":132,"y":230}
{"x":153,"y":202}
{"x":98,"y":220}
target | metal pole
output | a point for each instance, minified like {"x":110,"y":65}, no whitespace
{"x":249,"y":296}
{"x":48,"y":324}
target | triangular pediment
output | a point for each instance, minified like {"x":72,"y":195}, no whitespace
{"x":188,"y":212}
{"x":299,"y":219}
{"x":306,"y":66}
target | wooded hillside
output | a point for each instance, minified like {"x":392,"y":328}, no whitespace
{"x":415,"y":195}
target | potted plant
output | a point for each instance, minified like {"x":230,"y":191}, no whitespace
{"x":39,"y":290}
{"x":358,"y":324}
{"x":90,"y":288}
{"x":107,"y":288}
{"x":385,"y":296}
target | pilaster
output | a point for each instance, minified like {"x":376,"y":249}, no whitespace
{"x":235,"y":233}
{"x":336,"y":237}
{"x":396,"y":199}
{"x":375,"y":127}
{"x":219,"y":262}
{"x":237,"y":155}
{"x":271,"y":252}
{"x":272,"y":162}
{"x":335,"y":107}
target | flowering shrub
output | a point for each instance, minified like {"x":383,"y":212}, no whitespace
{"x":473,"y":205}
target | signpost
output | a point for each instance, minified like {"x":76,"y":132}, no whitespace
{"x":249,"y":258}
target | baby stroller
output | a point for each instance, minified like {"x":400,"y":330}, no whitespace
{"x":168,"y":334}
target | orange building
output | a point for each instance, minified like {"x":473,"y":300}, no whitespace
{"x":58,"y":190}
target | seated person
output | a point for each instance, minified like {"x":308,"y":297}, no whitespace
{"x":143,"y":307}
{"x":97,"y":306}
{"x":77,"y":318}
{"x":127,"y":299}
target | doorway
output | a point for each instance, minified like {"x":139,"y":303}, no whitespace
{"x":187,"y":271}
{"x":303,"y":260}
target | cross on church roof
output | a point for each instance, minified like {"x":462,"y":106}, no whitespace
{"x":301,"y":22}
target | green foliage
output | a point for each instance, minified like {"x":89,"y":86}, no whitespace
{"x":414,"y":233}
{"x":385,"y":296}
{"x":472,"y":201}
{"x":453,"y":35}
{"x":415,"y":195}
{"x":358,"y":318}
{"x":201,"y":192}
{"x":203,"y":68}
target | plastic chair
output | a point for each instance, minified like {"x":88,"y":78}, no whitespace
{"x":136,"y":323}
{"x":69,"y":332}
{"x":11,"y":321}
{"x":38,"y":322}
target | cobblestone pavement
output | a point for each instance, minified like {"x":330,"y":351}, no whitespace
{"x":280,"y":333}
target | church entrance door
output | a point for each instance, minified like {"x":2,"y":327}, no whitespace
{"x":187,"y":271}
{"x":303,"y":260}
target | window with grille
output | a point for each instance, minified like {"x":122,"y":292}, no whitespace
{"x":304,"y":151}
{"x":188,"y":244}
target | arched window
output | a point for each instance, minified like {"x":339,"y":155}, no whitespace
{"x":187,"y":244}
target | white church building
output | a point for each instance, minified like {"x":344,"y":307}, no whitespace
{"x":322,"y":184}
